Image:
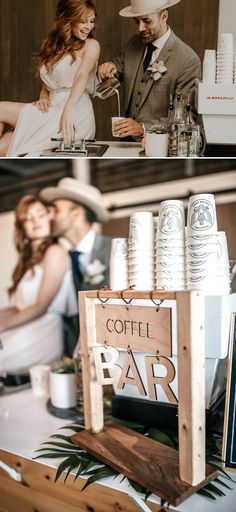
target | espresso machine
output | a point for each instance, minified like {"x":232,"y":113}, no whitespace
{"x":217,"y":105}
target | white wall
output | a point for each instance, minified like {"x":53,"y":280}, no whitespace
{"x":227,"y":17}
{"x":7,"y":254}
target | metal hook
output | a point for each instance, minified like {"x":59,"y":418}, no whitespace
{"x":159,"y":303}
{"x":103,"y":288}
{"x":126,"y":301}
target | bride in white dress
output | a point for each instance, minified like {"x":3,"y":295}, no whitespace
{"x":67,"y":66}
{"x":31,"y":330}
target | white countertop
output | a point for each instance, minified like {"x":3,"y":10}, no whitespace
{"x":25,"y":423}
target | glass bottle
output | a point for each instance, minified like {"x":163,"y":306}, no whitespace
{"x":177,"y":123}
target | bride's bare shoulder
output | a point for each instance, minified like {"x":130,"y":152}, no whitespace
{"x":92,"y":45}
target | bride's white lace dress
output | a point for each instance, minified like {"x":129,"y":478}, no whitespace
{"x":35,"y":129}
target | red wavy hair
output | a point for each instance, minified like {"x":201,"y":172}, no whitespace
{"x":26,"y":257}
{"x":61,"y":40}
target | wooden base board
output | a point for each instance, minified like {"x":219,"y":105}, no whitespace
{"x":147,"y":462}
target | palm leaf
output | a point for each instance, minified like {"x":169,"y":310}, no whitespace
{"x":54,"y":455}
{"x":64,"y":465}
{"x":212,"y":488}
{"x":67,"y":446}
{"x":160,"y":436}
{"x":220,"y":482}
{"x":99,"y":475}
{"x":207,"y":494}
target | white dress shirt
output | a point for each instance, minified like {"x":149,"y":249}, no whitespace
{"x":85,"y":246}
{"x":159,"y":43}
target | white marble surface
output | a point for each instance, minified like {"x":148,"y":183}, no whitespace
{"x":25,"y":423}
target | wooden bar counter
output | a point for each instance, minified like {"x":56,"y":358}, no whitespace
{"x":24,"y":424}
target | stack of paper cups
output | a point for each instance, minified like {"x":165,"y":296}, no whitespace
{"x":170,"y":253}
{"x":202,"y":243}
{"x":235,"y":67}
{"x":223,"y":267}
{"x":119,"y":264}
{"x":225,"y":59}
{"x":141,"y":251}
{"x":209,"y":67}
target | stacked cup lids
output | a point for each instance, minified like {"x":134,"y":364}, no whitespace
{"x":170,"y":250}
{"x":119,"y":264}
{"x":141,"y":251}
{"x":225,"y":59}
{"x":206,"y":249}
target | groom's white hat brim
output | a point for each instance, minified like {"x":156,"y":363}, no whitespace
{"x":142,"y":7}
{"x":78,"y":192}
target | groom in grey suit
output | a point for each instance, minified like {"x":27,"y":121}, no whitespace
{"x":155,"y":64}
{"x":77,"y":206}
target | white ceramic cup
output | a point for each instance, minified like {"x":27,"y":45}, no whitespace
{"x":63,"y":390}
{"x":113,"y":121}
{"x":39,"y":378}
{"x":156,"y":144}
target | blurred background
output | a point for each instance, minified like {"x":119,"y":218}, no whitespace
{"x":24,"y":24}
{"x":128,"y":185}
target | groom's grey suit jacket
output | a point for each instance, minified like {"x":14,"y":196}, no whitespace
{"x":101,"y":251}
{"x":146,"y":99}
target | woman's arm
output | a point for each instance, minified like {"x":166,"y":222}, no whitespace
{"x":6,"y":312}
{"x":43,"y":104}
{"x":68,"y":121}
{"x":55,"y":264}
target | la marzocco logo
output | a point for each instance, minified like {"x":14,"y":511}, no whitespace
{"x":227,"y":98}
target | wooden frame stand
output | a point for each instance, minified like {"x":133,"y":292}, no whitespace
{"x":170,"y":474}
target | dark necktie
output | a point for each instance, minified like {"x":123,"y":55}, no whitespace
{"x":76,"y":269}
{"x":148,"y":56}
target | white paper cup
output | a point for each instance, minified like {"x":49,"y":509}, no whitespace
{"x":156,"y":145}
{"x":225,"y":42}
{"x":119,"y":247}
{"x":63,"y":390}
{"x":201,"y":215}
{"x":118,"y":274}
{"x":113,"y":121}
{"x":141,"y":231}
{"x":39,"y":378}
{"x":171,"y":217}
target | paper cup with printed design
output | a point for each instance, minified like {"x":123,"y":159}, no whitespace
{"x":171,"y":220}
{"x":141,"y":234}
{"x":201,"y":217}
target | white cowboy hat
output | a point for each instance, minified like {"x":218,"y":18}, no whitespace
{"x":142,"y":7}
{"x":78,"y":192}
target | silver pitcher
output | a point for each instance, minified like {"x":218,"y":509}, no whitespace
{"x":107,"y":88}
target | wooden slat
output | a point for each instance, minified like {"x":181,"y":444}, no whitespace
{"x":39,"y":488}
{"x":92,"y":391}
{"x":130,"y":294}
{"x":147,"y":462}
{"x":191,"y":385}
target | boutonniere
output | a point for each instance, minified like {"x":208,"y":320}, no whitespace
{"x":157,"y":69}
{"x":94,"y":273}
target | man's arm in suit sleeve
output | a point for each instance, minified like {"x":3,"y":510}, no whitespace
{"x":119,"y":62}
{"x":186,"y":82}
